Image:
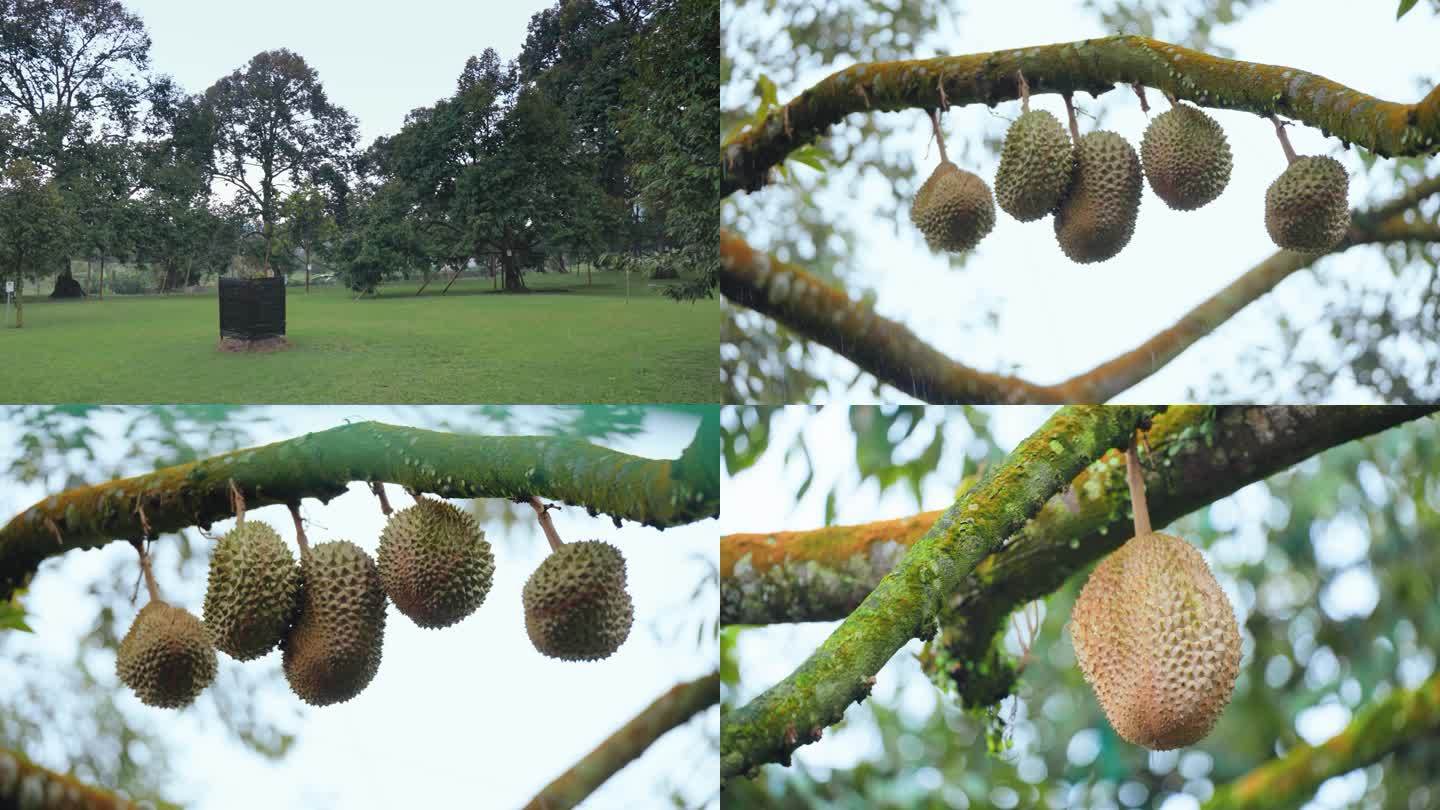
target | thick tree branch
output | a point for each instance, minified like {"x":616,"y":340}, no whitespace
{"x":906,"y":602}
{"x":1402,"y":717}
{"x":1095,"y":66}
{"x":25,"y":784}
{"x":676,"y":706}
{"x":898,"y":357}
{"x":1197,"y":455}
{"x":658,"y":493}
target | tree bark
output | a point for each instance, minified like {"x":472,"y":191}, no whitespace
{"x":23,"y":784}
{"x":893,"y":354}
{"x":659,"y":493}
{"x":676,"y":706}
{"x":908,"y":601}
{"x":1210,"y":452}
{"x":1402,"y":717}
{"x":1094,"y":66}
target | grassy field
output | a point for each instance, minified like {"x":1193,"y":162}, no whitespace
{"x":565,"y":342}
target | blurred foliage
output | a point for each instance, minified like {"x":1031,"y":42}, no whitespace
{"x":1333,"y":571}
{"x":61,"y":709}
{"x":1380,"y":330}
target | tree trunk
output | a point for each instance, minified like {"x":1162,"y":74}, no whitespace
{"x":66,"y":286}
{"x":19,"y":300}
{"x":307,"y":269}
{"x":102,"y":276}
{"x":514,"y":275}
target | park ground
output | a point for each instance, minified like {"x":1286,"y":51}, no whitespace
{"x":566,"y":341}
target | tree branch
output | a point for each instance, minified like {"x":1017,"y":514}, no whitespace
{"x":906,"y":603}
{"x":1095,"y":66}
{"x":25,"y":784}
{"x":896,"y":356}
{"x":658,"y":493}
{"x":676,"y":706}
{"x":1200,"y":454}
{"x":1402,"y":717}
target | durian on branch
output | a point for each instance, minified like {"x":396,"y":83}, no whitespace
{"x":887,"y":349}
{"x":907,"y":603}
{"x":655,"y":492}
{"x":1402,"y":717}
{"x":1094,"y":66}
{"x":676,"y":706}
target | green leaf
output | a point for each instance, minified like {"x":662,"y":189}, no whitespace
{"x":12,"y":617}
{"x":1405,"y":5}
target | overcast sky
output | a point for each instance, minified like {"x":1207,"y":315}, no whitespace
{"x":467,"y":711}
{"x":768,"y":491}
{"x":1057,"y":318}
{"x":379,"y":60}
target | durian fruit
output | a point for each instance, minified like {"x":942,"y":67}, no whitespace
{"x":1186,"y":157}
{"x":333,"y":650}
{"x":1097,"y":217}
{"x":166,"y":657}
{"x":953,"y":209}
{"x":1307,"y":208}
{"x":1035,"y":166}
{"x":253,"y":591}
{"x":1157,"y":640}
{"x":576,"y":605}
{"x":435,"y":563}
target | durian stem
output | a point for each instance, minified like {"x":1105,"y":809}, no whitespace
{"x":1074,"y":125}
{"x":300,"y":538}
{"x":542,"y":514}
{"x":1135,"y":479}
{"x":1140,"y":93}
{"x":1284,"y":139}
{"x":1024,"y":91}
{"x":379,"y":490}
{"x":237,"y":502}
{"x":150,"y":585}
{"x":939,"y":136}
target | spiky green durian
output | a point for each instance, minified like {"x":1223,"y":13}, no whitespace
{"x":166,"y":657}
{"x":252,"y":593}
{"x":1186,"y":157}
{"x":1035,"y":166}
{"x":333,"y":650}
{"x":576,"y":605}
{"x":1097,"y":217}
{"x":953,"y":209}
{"x":1157,"y":640}
{"x":435,"y":563}
{"x":1307,"y":207}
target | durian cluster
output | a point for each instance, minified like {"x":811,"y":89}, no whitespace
{"x":326,"y":613}
{"x":1093,"y":186}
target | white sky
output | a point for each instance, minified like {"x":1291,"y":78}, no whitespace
{"x":379,"y":60}
{"x":767,"y":489}
{"x":1057,"y":318}
{"x":471,"y":710}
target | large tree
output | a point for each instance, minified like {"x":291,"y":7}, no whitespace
{"x":73,"y":71}
{"x":273,"y":125}
{"x":34,"y":227}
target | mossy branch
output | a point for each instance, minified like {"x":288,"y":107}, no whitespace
{"x":1196,"y":455}
{"x":907,"y":602}
{"x":887,"y":349}
{"x":23,"y":784}
{"x":654,"y":492}
{"x":676,"y":706}
{"x":1094,"y":66}
{"x":1400,"y":718}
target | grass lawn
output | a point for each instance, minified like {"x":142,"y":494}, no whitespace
{"x":565,"y":342}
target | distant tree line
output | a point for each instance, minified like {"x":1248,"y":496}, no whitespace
{"x":596,"y":140}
